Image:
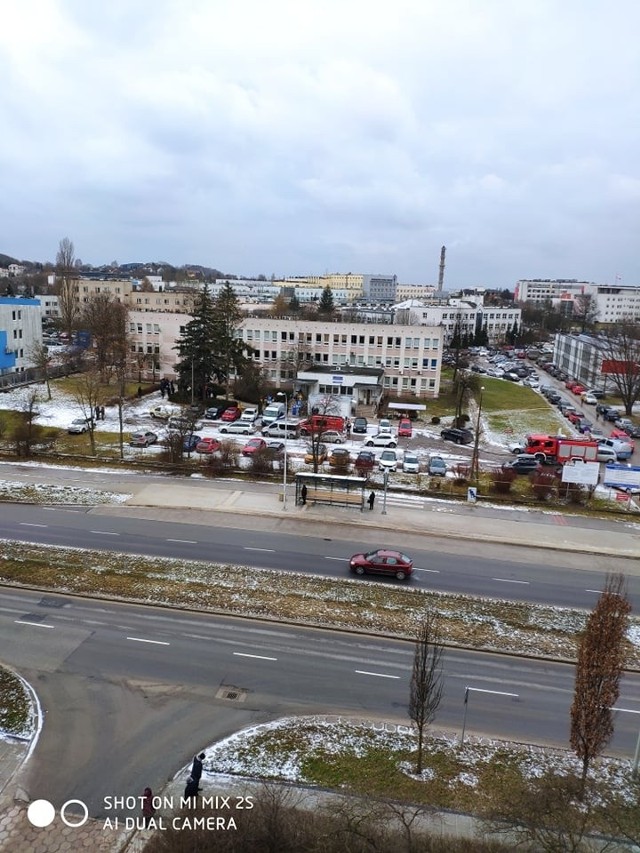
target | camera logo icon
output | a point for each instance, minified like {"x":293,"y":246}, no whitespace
{"x":42,"y":813}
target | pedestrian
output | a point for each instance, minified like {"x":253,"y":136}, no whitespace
{"x":172,"y":388}
{"x":102,"y":413}
{"x":148,"y":809}
{"x":139,"y":392}
{"x":196,"y":767}
{"x":303,"y":495}
{"x":191,"y":790}
{"x":372,"y":500}
{"x":348,"y":429}
{"x":97,"y":413}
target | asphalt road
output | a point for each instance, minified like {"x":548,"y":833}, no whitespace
{"x":497,"y":571}
{"x":129,"y":693}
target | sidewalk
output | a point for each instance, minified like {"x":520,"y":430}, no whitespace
{"x":411,"y":514}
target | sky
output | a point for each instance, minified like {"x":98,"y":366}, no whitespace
{"x":295,"y":137}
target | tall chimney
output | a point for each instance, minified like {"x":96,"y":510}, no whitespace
{"x":443,"y":251}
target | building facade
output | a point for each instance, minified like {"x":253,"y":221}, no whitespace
{"x":467,"y":316}
{"x":20,"y":331}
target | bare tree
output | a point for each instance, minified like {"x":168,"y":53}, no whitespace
{"x":87,"y":392}
{"x":426,"y":678}
{"x":66,"y":273}
{"x":26,"y":432}
{"x":325,"y":407}
{"x":39,"y":355}
{"x":621,"y":361}
{"x":465,"y":386}
{"x":601,"y":656}
{"x":585,"y":311}
{"x":108,"y":322}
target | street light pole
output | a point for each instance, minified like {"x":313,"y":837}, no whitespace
{"x":384,"y":498}
{"x":286,"y":435}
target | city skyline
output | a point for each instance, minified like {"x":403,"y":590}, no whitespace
{"x":304,"y":138}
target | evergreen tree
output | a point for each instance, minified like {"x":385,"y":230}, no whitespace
{"x":326,"y":305}
{"x":233,"y":353}
{"x":198,"y":348}
{"x":294,"y":304}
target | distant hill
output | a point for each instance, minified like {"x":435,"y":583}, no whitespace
{"x":5,"y":260}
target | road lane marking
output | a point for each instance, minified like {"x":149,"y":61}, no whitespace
{"x":340,"y":559}
{"x":247,"y":548}
{"x":377,"y":674}
{"x":596,"y":591}
{"x":104,"y":532}
{"x":260,"y":657}
{"x":35,"y":624}
{"x":509,"y":580}
{"x":185,"y":541}
{"x":32,"y":524}
{"x":155,"y":642}
{"x":431,"y":571}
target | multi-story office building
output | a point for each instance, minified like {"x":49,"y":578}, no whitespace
{"x":612,"y":303}
{"x":20,"y":331}
{"x":466,"y":316}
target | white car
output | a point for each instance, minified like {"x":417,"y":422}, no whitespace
{"x":250,"y":415}
{"x":384,"y":426}
{"x":410,"y":463}
{"x":78,"y":426}
{"x":589,"y":399}
{"x":382,"y":440}
{"x":388,"y":461}
{"x":237,"y":428}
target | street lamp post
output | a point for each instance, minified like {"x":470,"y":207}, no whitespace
{"x":384,"y":497}
{"x":636,"y":757}
{"x":286,"y":434}
{"x":475,"y":473}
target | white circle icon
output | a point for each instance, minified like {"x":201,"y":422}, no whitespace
{"x":41,"y":813}
{"x":80,"y":820}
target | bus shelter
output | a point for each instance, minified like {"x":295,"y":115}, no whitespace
{"x":337,"y":489}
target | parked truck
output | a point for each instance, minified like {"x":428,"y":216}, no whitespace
{"x":550,"y":448}
{"x":322,"y":423}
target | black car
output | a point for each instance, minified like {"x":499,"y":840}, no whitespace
{"x":524,"y":464}
{"x":459,"y":436}
{"x":601,"y":408}
{"x":359,"y":425}
{"x":218,"y":408}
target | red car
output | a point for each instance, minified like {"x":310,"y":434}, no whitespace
{"x":575,"y":417}
{"x":208,"y":445}
{"x":382,"y":562}
{"x":253,"y":446}
{"x":621,"y":435}
{"x":404,"y":428}
{"x":365,"y":462}
{"x":231,"y":414}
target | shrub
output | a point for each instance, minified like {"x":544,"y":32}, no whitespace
{"x":544,"y":485}
{"x":502,"y":480}
{"x":435,"y":419}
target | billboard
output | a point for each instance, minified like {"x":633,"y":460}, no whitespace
{"x":622,"y":476}
{"x":619,"y":366}
{"x":585,"y":473}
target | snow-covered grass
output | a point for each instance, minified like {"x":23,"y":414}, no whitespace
{"x":49,"y":493}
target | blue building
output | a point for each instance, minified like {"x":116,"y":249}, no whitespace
{"x":20,"y":331}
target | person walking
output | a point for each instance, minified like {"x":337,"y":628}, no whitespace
{"x":372,"y":500}
{"x":191,"y":791}
{"x":196,"y":767}
{"x":148,"y":810}
{"x":303,"y":495}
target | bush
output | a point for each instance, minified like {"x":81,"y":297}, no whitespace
{"x":225,"y":460}
{"x":544,"y":485}
{"x":502,"y":480}
{"x":435,"y":420}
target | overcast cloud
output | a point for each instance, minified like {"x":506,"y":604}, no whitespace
{"x":266,"y":136}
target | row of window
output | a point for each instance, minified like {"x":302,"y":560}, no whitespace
{"x":345,"y":339}
{"x":151,"y":349}
{"x":137,"y":328}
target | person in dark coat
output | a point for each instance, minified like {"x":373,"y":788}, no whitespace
{"x":148,"y":809}
{"x":303,"y":495}
{"x":372,"y":499}
{"x":196,"y":767}
{"x":191,"y":790}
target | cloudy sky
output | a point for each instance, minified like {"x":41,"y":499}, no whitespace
{"x":306,"y":136}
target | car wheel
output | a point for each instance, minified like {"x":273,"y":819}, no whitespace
{"x":400,"y":575}
{"x":359,"y":570}
{"x":393,"y":444}
{"x":458,"y":441}
{"x":338,"y":441}
{"x":369,"y":444}
{"x":223,"y":429}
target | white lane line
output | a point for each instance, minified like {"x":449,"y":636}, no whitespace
{"x":35,"y":624}
{"x":104,"y":532}
{"x":596,"y":591}
{"x":260,"y":657}
{"x":509,"y":580}
{"x":377,"y":674}
{"x":155,"y":642}
{"x":431,"y":571}
{"x":31,"y":524}
{"x":185,"y":541}
{"x":340,"y":559}
{"x":247,"y":548}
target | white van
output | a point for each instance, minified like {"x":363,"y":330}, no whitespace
{"x":273,"y":412}
{"x":282,"y":429}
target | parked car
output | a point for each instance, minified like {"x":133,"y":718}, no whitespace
{"x":633,"y":432}
{"x":142,"y":439}
{"x":359,"y":425}
{"x":208,"y":445}
{"x":233,"y":413}
{"x":405,"y":428}
{"x":250,"y":415}
{"x":457,"y":435}
{"x":190,"y":442}
{"x":523,"y":464}
{"x":606,"y":454}
{"x":388,"y":461}
{"x":339,"y":457}
{"x":574,"y":417}
{"x":584,"y":426}
{"x":320,"y":452}
{"x":384,"y":425}
{"x":623,"y":435}
{"x":612,"y":415}
{"x":437,"y":466}
{"x":275,"y":449}
{"x":382,"y":562}
{"x":254,"y":445}
{"x":623,"y":423}
{"x":162,"y":413}
{"x":237,"y":427}
{"x":181,"y":424}
{"x":332,"y":436}
{"x":384,"y":439}
{"x":79,"y":426}
{"x":410,"y":463}
{"x":589,"y":399}
{"x":217,"y":409}
{"x":365,"y":462}
{"x":622,"y":449}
